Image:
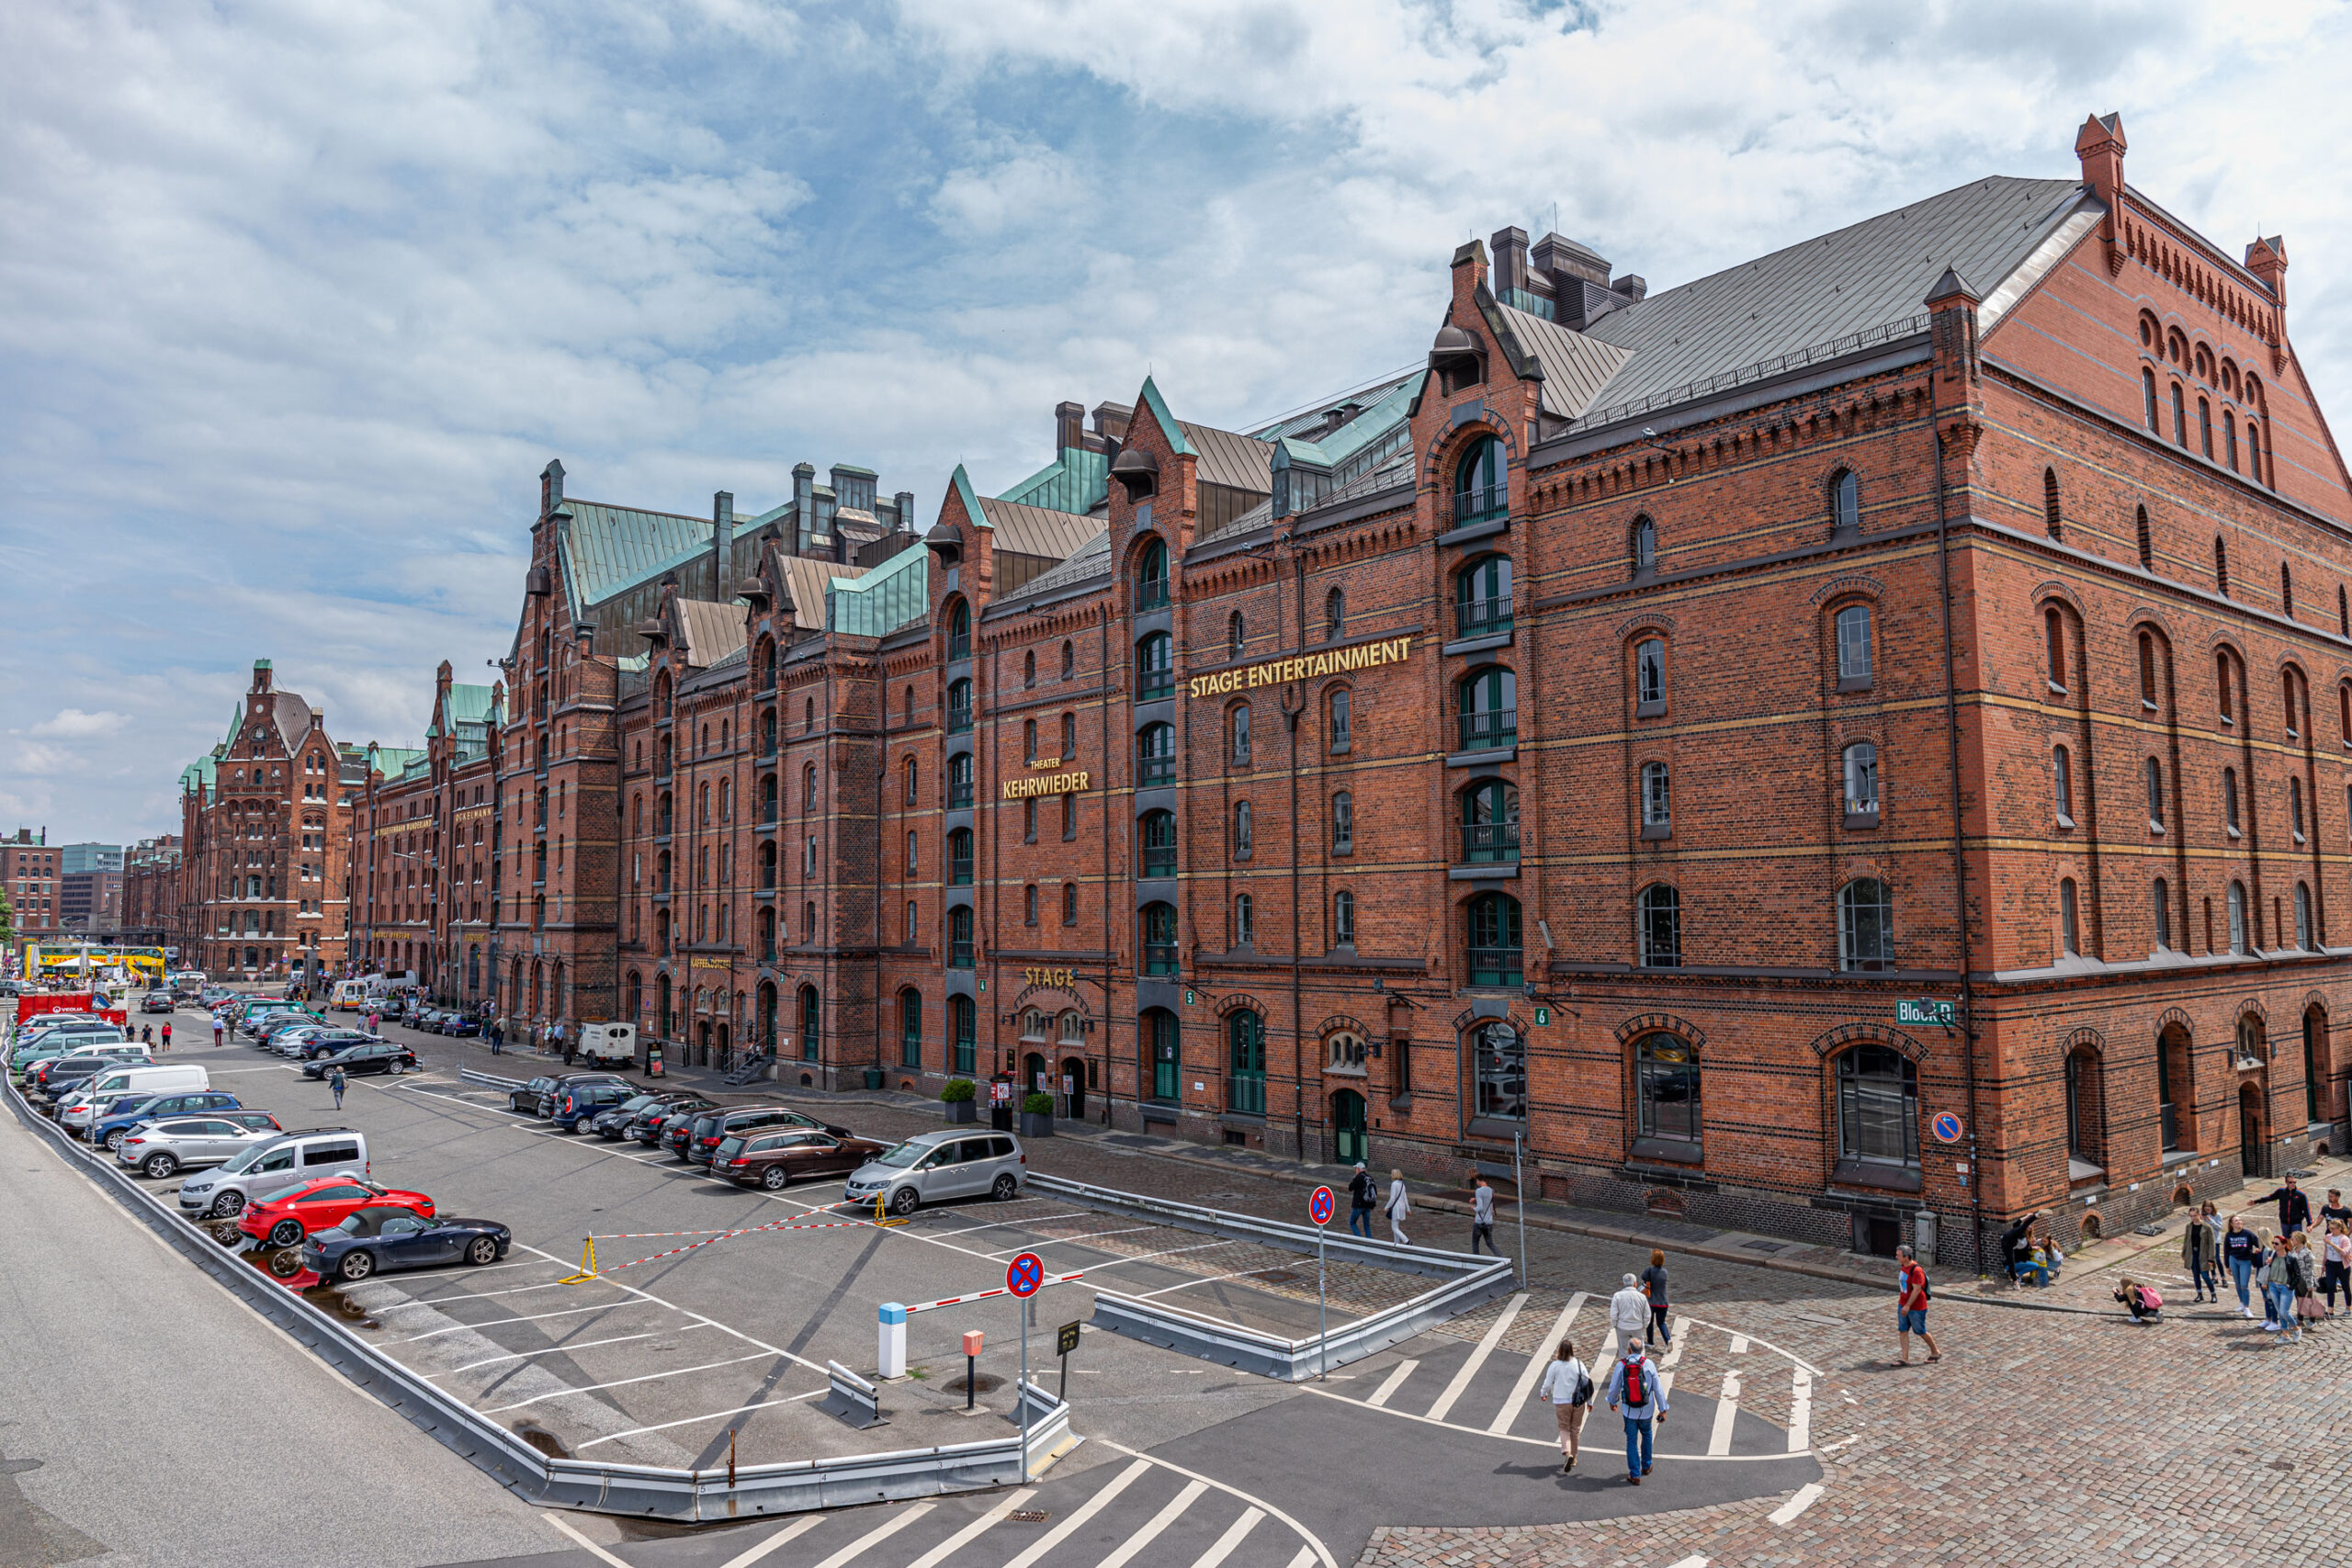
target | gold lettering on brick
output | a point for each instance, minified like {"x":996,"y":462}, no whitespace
{"x":1057,"y":784}
{"x":1309,"y":667}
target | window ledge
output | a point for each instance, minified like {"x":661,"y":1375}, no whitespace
{"x":1485,"y":530}
{"x":1674,"y":1151}
{"x":1650,"y":710}
{"x":1871,"y":1173}
{"x":2234,"y":833}
{"x":1482,"y":873}
{"x":1498,"y":1128}
{"x":2157,"y":829}
{"x":1862,"y":819}
{"x":1477,"y":644}
{"x":2066,"y":821}
{"x":1654,"y":830}
{"x":1854,"y":682}
{"x":1488,"y":754}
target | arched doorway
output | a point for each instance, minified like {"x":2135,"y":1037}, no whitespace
{"x":1348,"y":1143}
{"x":1033,"y":1074}
{"x":1074,"y":1070}
{"x":2250,"y":1130}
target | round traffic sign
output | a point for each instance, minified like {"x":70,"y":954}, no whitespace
{"x":1319,"y":1207}
{"x":1024,"y":1274}
{"x":1947,"y":1126}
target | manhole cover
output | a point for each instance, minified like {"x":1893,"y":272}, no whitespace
{"x":1765,"y":1246}
{"x":1278,"y":1276}
{"x":1028,"y":1515}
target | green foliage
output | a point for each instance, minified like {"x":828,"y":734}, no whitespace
{"x":7,"y":919}
{"x":1038,"y":1105}
{"x":957,"y":1091}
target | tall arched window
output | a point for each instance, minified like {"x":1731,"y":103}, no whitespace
{"x":2229,"y":801}
{"x":1155,"y":755}
{"x":1658,"y":921}
{"x":2221,"y":683}
{"x":2222,"y":565}
{"x":1666,"y":1091}
{"x":911,"y":772}
{"x":1481,"y":605}
{"x":1151,"y":576}
{"x":1154,"y":668}
{"x":2070,"y":941}
{"x":1343,"y":823}
{"x":959,"y":937}
{"x":1479,"y":491}
{"x":1245,"y":1035}
{"x":2285,"y":590}
{"x":1344,"y":920}
{"x":2291,"y":702}
{"x":1490,"y":823}
{"x":959,"y":858}
{"x":2253,"y":452}
{"x":1657,"y":801}
{"x":1029,"y":668}
{"x":1865,"y":925}
{"x":1494,"y":947}
{"x":2237,"y":916}
{"x":959,"y":781}
{"x":2303,"y":917}
{"x":2084,"y":1110}
{"x":2148,"y":398}
{"x":1860,"y":771}
{"x":1243,"y":839}
{"x":2148,"y":671}
{"x":911,"y":1029}
{"x":959,"y":707}
{"x":812,"y":1024}
{"x":1237,"y":734}
{"x":1159,"y":925}
{"x":1649,"y":677}
{"x":2179,"y":417}
{"x":2160,"y":907}
{"x":2152,"y":774}
{"x":963,"y":1032}
{"x":1845,"y":503}
{"x":2205,"y":426}
{"x":1245,"y":922}
{"x":1644,"y":548}
{"x":1342,"y":731}
{"x":1488,"y":703}
{"x":1237,"y":635}
{"x":1853,"y":648}
{"x":1069,"y":659}
{"x":2053,"y":641}
{"x":2229,"y":440}
{"x":959,"y":631}
{"x":2295,"y":806}
{"x":1028,"y":740}
{"x":1158,"y":837}
{"x":1878,"y":1108}
{"x":1335,"y":615}
{"x":2050,"y":520}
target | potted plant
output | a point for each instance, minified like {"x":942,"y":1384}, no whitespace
{"x":956,"y":1096}
{"x":1037,"y":1116}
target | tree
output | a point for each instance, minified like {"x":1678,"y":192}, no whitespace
{"x":7,"y":920}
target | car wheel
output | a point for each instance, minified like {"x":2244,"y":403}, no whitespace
{"x":115,"y":1138}
{"x":775,"y":1179}
{"x":357,"y":1264}
{"x":481,"y":1251}
{"x":227,"y":1206}
{"x":903,"y":1201}
{"x":286,"y":1233}
{"x":1006,"y":1188}
{"x":159,"y":1164}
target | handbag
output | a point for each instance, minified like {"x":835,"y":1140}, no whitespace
{"x":1584,"y":1389}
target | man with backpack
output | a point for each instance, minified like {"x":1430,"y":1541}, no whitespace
{"x":1364,"y":1196}
{"x":1911,"y":1307}
{"x":1635,"y":1391}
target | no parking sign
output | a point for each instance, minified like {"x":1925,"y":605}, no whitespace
{"x":1946,"y":1126}
{"x":1319,"y":1207}
{"x":1024,"y":1274}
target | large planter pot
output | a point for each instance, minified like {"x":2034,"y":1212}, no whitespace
{"x":1033,"y":1126}
{"x":961,"y":1110}
{"x":874,"y":1078}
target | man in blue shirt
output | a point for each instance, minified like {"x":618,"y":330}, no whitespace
{"x":1637,"y":1375}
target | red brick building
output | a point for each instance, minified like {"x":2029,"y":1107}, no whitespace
{"x":29,"y":869}
{"x":151,"y":887}
{"x":1613,"y":736}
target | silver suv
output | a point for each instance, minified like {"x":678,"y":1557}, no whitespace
{"x":932,"y":1166}
{"x":264,"y":1170}
{"x":159,"y":1148}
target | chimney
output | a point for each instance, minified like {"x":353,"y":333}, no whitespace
{"x":804,"y":505}
{"x":1111,"y":421}
{"x":551,"y":488}
{"x":1070,"y":426}
{"x":1511,"y":260}
{"x":2099,"y":145}
{"x":1633,"y":285}
{"x":1472,"y":254}
{"x":2267,"y":259}
{"x":722,"y":544}
{"x":905,"y":502}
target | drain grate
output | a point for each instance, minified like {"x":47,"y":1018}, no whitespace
{"x":1029,"y":1516}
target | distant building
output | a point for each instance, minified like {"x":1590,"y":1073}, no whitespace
{"x":90,"y":900}
{"x":29,"y":869}
{"x":150,"y":880}
{"x":91,"y":857}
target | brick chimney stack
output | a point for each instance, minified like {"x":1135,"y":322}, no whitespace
{"x":2099,"y":145}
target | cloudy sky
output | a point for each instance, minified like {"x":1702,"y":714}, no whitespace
{"x":296,"y":298}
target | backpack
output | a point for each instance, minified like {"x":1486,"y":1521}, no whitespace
{"x":1638,"y":1392}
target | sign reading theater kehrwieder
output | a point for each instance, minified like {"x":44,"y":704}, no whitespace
{"x":1305,"y":667}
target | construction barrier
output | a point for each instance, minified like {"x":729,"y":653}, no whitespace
{"x":588,"y":1269}
{"x":851,"y":1399}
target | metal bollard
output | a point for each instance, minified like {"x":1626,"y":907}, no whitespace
{"x":972,"y":1338}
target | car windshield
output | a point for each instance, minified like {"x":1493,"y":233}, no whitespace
{"x":904,"y":1156}
{"x":637,"y":1102}
{"x":244,"y":1161}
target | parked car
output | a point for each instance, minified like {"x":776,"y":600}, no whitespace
{"x":62,"y":1076}
{"x":613,"y":1122}
{"x":268,"y":1169}
{"x":376,"y":1056}
{"x":80,"y":1109}
{"x":327,"y":1041}
{"x":575,"y":1103}
{"x":318,"y":1206}
{"x":523,"y":1099}
{"x":651,"y":1126}
{"x":544,"y":1103}
{"x":115,"y":1123}
{"x":776,"y":1160}
{"x":461,"y":1024}
{"x":715,"y":1126}
{"x":931,"y":1167}
{"x":383,"y":1236}
{"x":156,"y":1001}
{"x":175,"y":1143}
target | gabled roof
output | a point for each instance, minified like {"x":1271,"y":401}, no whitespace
{"x":1035,"y":530}
{"x":1575,"y":365}
{"x":808,"y":580}
{"x":467,"y":705}
{"x":1228,"y":458}
{"x":1077,"y":480}
{"x":893,"y":594}
{"x":710,"y":631}
{"x":1864,"y":276}
{"x":607,"y":548}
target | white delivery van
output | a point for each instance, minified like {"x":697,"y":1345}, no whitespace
{"x":349,"y":995}
{"x":180,"y":1077}
{"x":608,"y":1042}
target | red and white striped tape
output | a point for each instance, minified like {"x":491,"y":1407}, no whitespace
{"x":707,"y":1237}
{"x":1000,"y":1290}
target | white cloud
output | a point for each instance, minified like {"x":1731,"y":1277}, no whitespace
{"x":75,"y":723}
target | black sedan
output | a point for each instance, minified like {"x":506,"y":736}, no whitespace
{"x":378,"y":1056}
{"x":382,"y":1239}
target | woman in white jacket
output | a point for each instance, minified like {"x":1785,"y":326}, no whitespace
{"x":1567,"y":1388}
{"x":1399,"y":1205}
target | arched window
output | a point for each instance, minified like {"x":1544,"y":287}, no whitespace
{"x":812,"y":1024}
{"x":1650,"y":676}
{"x":2222,"y":565}
{"x":1853,"y":626}
{"x":1244,"y":924}
{"x":1151,"y":576}
{"x":1845,"y":503}
{"x":963,"y":1032}
{"x":1069,"y":736}
{"x":2179,"y":417}
{"x":959,"y":937}
{"x":2229,"y":440}
{"x":1155,"y":755}
{"x":1158,"y":838}
{"x":2147,"y":541}
{"x":1245,"y":1035}
{"x":2054,"y":638}
{"x":959,"y":631}
{"x":1666,"y":1091}
{"x":1029,"y":740}
{"x":914,"y":922}
{"x":1865,"y":925}
{"x":1493,"y":948}
{"x":1029,"y":668}
{"x":1159,"y":928}
{"x":959,"y":858}
{"x":1335,"y":615}
{"x":2285,"y":590}
{"x":1343,"y":736}
{"x":2223,"y":685}
{"x":2148,"y":671}
{"x":1860,"y":771}
{"x":1878,"y":1108}
{"x":2070,"y":940}
{"x":1070,"y":903}
{"x":1657,"y":801}
{"x":910,"y":772}
{"x":2160,"y":906}
{"x":1490,"y":822}
{"x":1481,"y":605}
{"x":1242,"y":837}
{"x":2254,"y":451}
{"x":2291,"y":701}
{"x":911,"y":1029}
{"x":2295,"y":806}
{"x":1157,"y":1034}
{"x":2237,"y":916}
{"x":1343,"y":918}
{"x":2344,"y":714}
{"x":808,"y":787}
{"x":1489,"y":702}
{"x":2205,"y":426}
{"x":2084,"y":1110}
{"x":2148,"y":398}
{"x":2050,"y":519}
{"x":1658,"y":921}
{"x":1479,"y":491}
{"x":1237,"y":734}
{"x":2304,"y":916}
{"x":1343,"y":823}
{"x":2152,"y":774}
{"x":2230,"y":800}
{"x":959,"y":781}
{"x":1237,"y":635}
{"x":1029,"y":905}
{"x":1644,"y":549}
{"x":959,"y":707}
{"x":1155,"y":669}
{"x":1069,"y":659}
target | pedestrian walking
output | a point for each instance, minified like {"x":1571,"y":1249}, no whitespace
{"x":497,"y":1036}
{"x":2278,"y":1277}
{"x":375,"y":1021}
{"x":1654,"y":1283}
{"x":1364,"y":1196}
{"x":1482,"y":1216}
{"x":2304,"y":1277}
{"x":2294,"y":1206}
{"x":1567,"y":1388}
{"x":1399,"y":1205}
{"x":2334,"y":1209}
{"x":1629,"y":1312}
{"x":2241,"y":1253}
{"x":2200,"y":1252}
{"x":1634,"y":1387}
{"x":2335,"y":1264}
{"x":1911,"y":1307}
{"x":146,"y":1034}
{"x":216,"y":1032}
{"x":334,"y":1082}
{"x":167,"y":1037}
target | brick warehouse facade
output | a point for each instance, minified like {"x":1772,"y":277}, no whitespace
{"x":1602,"y":736}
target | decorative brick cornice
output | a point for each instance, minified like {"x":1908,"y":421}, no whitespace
{"x":1661,"y":1024}
{"x":1844,"y":1034}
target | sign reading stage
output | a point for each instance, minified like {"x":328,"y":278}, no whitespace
{"x":1306,"y":667}
{"x":1061,"y":978}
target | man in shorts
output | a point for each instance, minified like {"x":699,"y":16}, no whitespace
{"x":1911,"y":1307}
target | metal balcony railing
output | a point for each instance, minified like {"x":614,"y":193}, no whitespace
{"x":1495,"y":966}
{"x":1487,"y":843}
{"x":1482,"y":617}
{"x":1246,"y":1092}
{"x":1159,"y":958}
{"x":1487,"y":731}
{"x":1480,"y":503}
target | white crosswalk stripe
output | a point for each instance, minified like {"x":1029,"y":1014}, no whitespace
{"x":963,"y":1537}
{"x":1801,"y":1413}
{"x":1494,"y":1337}
{"x":1535,"y":1365}
{"x":1726,"y":1415}
{"x":1150,"y":1532}
{"x":1394,"y":1382}
{"x":1079,"y":1515}
{"x":874,"y":1537}
{"x":792,"y":1531}
{"x":1234,"y":1532}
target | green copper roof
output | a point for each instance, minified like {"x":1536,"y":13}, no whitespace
{"x":961,"y":483}
{"x":1079,"y":480}
{"x":1151,"y":399}
{"x":894,"y":594}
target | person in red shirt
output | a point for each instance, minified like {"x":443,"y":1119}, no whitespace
{"x":1911,"y":1307}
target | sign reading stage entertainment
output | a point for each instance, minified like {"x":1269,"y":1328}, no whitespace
{"x":1306,"y":667}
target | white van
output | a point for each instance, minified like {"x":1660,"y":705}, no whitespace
{"x":132,"y":1078}
{"x":349,"y":995}
{"x":608,"y":1042}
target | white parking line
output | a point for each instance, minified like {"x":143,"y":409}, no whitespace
{"x":1206,"y":1280}
{"x":798,"y":1527}
{"x":973,"y":1531}
{"x":585,"y":1544}
{"x":1314,"y":1548}
{"x":529,"y":1317}
{"x":665,"y":1426}
{"x":1038,"y":1220}
{"x":1726,"y":1415}
{"x":1152,"y":1529}
{"x":879,"y":1534}
{"x":1494,"y":1337}
{"x":471,"y":1296}
{"x":1395,"y":1380}
{"x":560,"y":1349}
{"x":1069,"y":1240}
{"x":1079,"y":1515}
{"x":1146,"y":1257}
{"x":624,"y":1382}
{"x":698,"y":1317}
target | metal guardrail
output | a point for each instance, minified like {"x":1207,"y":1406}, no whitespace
{"x":1468,"y":1282}
{"x":490,"y":1080}
{"x":643,"y":1491}
{"x":1795,"y":359}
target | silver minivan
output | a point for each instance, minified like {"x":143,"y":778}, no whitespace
{"x":932,"y":1166}
{"x":264,"y":1170}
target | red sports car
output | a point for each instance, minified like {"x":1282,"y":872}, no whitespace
{"x":320,"y":1205}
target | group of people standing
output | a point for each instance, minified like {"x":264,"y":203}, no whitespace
{"x":2297,"y":1268}
{"x":1634,"y":1386}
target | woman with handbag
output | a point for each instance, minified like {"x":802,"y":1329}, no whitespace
{"x":1567,"y":1388}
